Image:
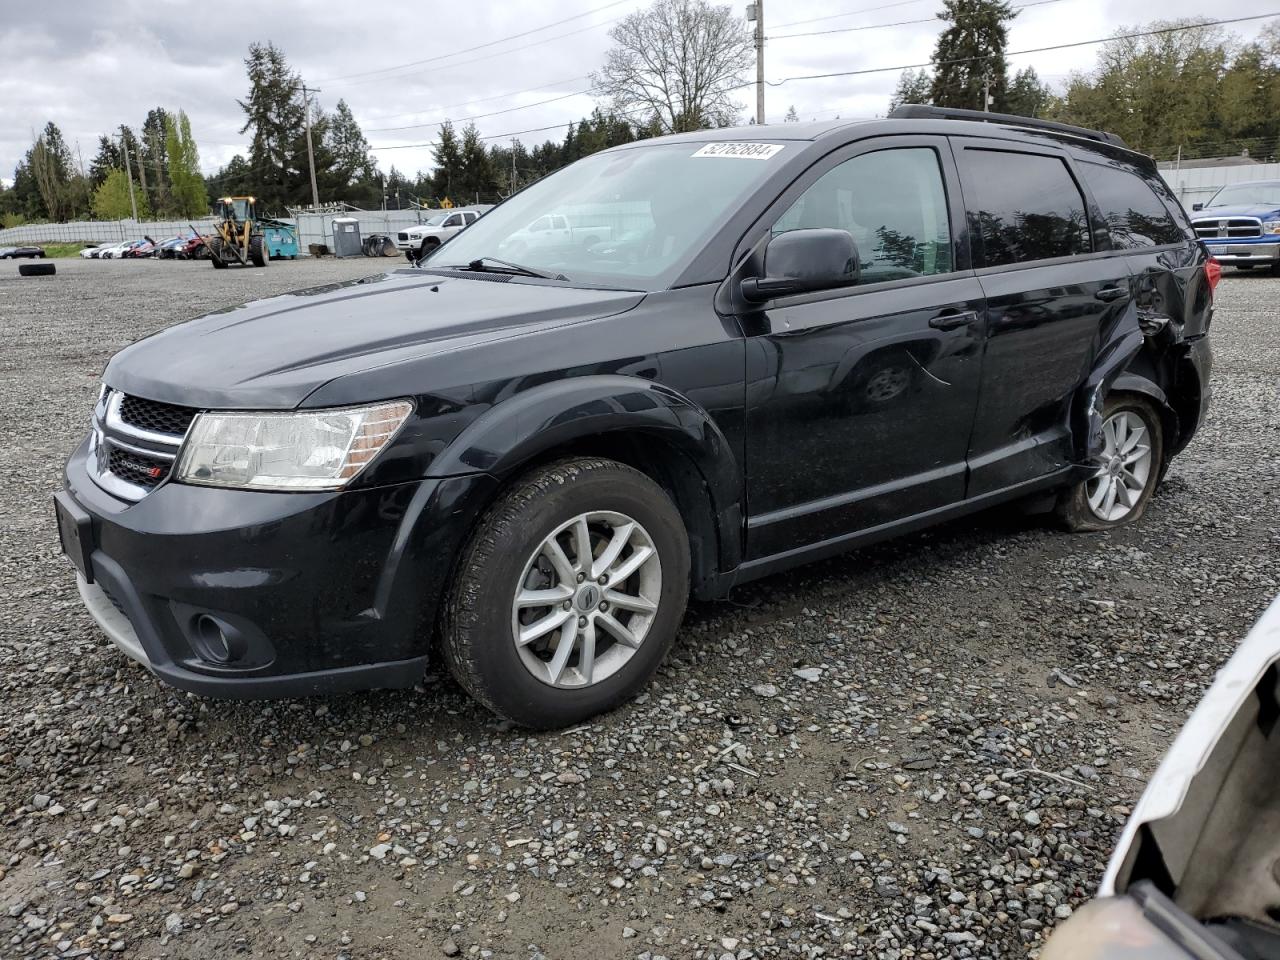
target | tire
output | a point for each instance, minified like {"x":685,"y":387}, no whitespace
{"x":1074,"y":508}
{"x":37,"y":269}
{"x":505,"y":555}
{"x":214,"y":246}
{"x":258,"y":254}
{"x":427,"y":247}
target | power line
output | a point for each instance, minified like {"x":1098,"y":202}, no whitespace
{"x":910,"y":66}
{"x":479,"y":46}
{"x":481,"y":116}
{"x":898,"y":23}
{"x":850,"y":13}
{"x":468,"y":103}
{"x":1015,"y":53}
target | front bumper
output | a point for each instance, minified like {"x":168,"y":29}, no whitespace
{"x":306,"y":593}
{"x":1238,"y":252}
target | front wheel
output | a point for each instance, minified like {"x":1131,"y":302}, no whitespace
{"x":569,"y":594}
{"x":1128,"y":468}
{"x":259,"y":256}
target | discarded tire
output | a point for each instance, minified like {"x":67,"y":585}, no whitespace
{"x":37,"y":269}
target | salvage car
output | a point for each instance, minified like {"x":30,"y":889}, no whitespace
{"x":833,"y":334}
{"x":1197,"y":872}
{"x":1241,"y":225}
{"x":14,"y":253}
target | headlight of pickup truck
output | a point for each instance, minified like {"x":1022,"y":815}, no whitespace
{"x":1271,"y":226}
{"x":303,"y":450}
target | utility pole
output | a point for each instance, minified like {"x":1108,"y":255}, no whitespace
{"x":514,"y":141}
{"x":128,"y":172}
{"x":986,"y":92}
{"x":755,"y":11}
{"x":311,"y":156}
{"x":384,"y":188}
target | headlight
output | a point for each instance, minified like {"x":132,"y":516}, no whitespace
{"x":304,"y":450}
{"x":1271,"y":226}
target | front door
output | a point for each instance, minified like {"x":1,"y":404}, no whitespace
{"x":860,"y":400}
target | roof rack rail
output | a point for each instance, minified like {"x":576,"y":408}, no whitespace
{"x":916,"y":111}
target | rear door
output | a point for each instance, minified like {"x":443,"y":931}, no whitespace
{"x":1056,"y":294}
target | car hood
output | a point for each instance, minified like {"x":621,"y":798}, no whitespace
{"x":1235,"y":210}
{"x":272,"y":354}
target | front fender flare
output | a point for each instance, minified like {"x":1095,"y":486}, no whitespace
{"x":525,"y":426}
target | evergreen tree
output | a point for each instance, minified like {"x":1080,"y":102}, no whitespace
{"x":969,"y":54}
{"x":447,"y":154}
{"x":109,"y":157}
{"x":275,"y":121}
{"x":152,"y":160}
{"x":792,"y":116}
{"x":476,"y":174}
{"x":914,"y":86}
{"x":1027,"y":96}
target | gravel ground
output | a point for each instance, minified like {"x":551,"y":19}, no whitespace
{"x":924,"y":749}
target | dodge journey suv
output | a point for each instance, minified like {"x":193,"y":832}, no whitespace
{"x":815,"y":337}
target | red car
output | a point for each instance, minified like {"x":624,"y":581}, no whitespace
{"x":193,"y":249}
{"x":139,"y":248}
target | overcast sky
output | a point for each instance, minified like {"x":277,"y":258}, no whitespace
{"x":92,"y":66}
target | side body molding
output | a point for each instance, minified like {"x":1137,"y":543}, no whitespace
{"x":567,"y":412}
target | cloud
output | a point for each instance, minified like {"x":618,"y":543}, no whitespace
{"x":90,"y":67}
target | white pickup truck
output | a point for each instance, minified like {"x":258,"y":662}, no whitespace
{"x":417,"y":242}
{"x":553,"y":231}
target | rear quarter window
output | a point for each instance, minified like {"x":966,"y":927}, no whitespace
{"x":1134,"y":214}
{"x":1023,"y":206}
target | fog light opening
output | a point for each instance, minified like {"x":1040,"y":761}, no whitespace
{"x":215,"y":641}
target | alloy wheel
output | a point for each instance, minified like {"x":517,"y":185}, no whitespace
{"x":586,"y":599}
{"x":1124,"y":469}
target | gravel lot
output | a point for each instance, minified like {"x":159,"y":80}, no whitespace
{"x":922,"y":750}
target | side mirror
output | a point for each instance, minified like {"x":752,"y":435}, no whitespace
{"x":800,"y":261}
{"x":1197,"y":206}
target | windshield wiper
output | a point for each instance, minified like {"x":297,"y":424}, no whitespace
{"x":505,"y":266}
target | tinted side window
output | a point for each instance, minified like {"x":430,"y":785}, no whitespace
{"x":1024,"y":206}
{"x":893,"y":203}
{"x":1134,"y":215}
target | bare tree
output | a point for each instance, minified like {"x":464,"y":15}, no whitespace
{"x":676,"y":65}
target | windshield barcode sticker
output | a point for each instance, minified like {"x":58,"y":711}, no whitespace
{"x":740,"y":151}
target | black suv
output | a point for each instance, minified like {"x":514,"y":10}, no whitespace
{"x":746,"y":349}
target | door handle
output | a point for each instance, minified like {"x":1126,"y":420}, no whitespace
{"x":1110,"y":294}
{"x":953,"y":319}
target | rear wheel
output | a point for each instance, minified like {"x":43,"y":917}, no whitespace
{"x":258,"y":254}
{"x":1128,"y":469}
{"x":569,"y":594}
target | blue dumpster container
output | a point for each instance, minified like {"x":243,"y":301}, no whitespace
{"x":282,"y":241}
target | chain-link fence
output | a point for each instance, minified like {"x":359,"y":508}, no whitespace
{"x":100,"y":231}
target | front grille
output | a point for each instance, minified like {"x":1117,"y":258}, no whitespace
{"x":135,"y":442}
{"x":402,"y":235}
{"x":1224,"y":228}
{"x":156,"y":416}
{"x":137,"y":469}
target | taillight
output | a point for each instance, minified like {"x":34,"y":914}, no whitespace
{"x":1212,"y":273}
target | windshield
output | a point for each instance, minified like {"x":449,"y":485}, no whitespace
{"x":1248,"y":194}
{"x":435,"y":221}
{"x":629,"y":219}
